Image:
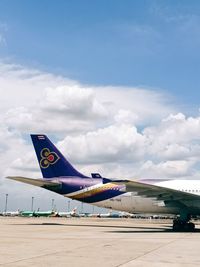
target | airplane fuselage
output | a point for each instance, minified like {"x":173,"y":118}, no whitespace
{"x":112,"y":196}
{"x":131,"y":202}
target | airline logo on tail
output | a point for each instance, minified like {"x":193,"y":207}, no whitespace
{"x":48,"y":158}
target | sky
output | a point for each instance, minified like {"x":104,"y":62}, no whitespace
{"x":115,"y":84}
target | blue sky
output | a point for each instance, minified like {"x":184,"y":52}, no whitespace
{"x":154,"y":44}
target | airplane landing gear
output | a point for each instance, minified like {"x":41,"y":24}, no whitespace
{"x":183,"y":223}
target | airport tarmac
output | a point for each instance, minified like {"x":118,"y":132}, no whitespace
{"x":95,"y":242}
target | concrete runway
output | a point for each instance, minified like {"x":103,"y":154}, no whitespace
{"x":95,"y":242}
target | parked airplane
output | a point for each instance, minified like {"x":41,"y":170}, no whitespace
{"x":28,"y":213}
{"x":10,"y":213}
{"x":180,"y":197}
{"x":109,"y":215}
{"x":72,"y":213}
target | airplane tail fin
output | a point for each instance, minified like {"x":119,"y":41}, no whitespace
{"x":52,"y":162}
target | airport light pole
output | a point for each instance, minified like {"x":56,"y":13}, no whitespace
{"x":32,"y":200}
{"x":6,"y":204}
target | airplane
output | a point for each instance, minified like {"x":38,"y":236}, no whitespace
{"x":109,"y":215}
{"x":28,"y":213}
{"x":72,"y":213}
{"x":152,"y":196}
{"x":10,"y":213}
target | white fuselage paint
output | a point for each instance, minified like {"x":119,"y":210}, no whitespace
{"x":131,"y":202}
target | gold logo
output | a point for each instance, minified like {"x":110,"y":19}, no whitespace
{"x":48,"y":158}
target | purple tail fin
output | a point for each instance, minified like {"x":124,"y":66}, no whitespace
{"x":52,"y":162}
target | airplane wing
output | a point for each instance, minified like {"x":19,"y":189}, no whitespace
{"x":171,"y":197}
{"x":37,"y":182}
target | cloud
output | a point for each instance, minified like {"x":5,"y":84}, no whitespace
{"x":145,"y":106}
{"x":121,"y":143}
{"x":39,"y":99}
{"x":73,"y":100}
{"x":175,"y":137}
{"x":126,"y":116}
{"x":168,"y":150}
{"x":72,"y":108}
{"x":168,"y":169}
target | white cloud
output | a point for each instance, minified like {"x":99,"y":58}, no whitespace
{"x":60,"y":109}
{"x":114,"y":143}
{"x":126,"y":116}
{"x":175,"y":137}
{"x":73,"y":100}
{"x":167,"y":169}
{"x":144,"y":105}
{"x":23,"y":86}
{"x":32,"y":101}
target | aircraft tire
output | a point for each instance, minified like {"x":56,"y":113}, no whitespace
{"x":179,"y":226}
{"x":190,"y":227}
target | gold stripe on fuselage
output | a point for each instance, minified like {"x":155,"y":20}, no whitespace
{"x":95,"y":191}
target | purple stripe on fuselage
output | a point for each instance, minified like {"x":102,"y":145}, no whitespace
{"x":73,"y":184}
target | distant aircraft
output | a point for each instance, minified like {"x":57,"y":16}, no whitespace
{"x":28,"y":213}
{"x":10,"y":213}
{"x":180,"y":197}
{"x":68,"y":214}
{"x":110,"y":215}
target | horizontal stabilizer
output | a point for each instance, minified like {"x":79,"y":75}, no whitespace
{"x":36,"y":182}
